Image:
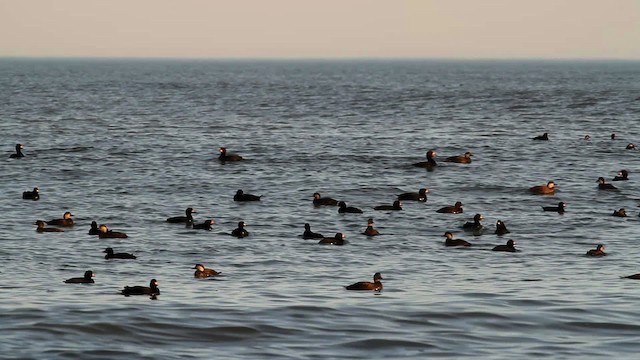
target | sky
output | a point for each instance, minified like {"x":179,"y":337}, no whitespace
{"x":465,"y":29}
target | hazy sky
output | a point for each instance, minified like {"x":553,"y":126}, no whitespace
{"x":322,"y":28}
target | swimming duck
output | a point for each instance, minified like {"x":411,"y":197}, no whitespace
{"x":152,"y":289}
{"x":475,"y":225}
{"x":587,"y":137}
{"x":112,"y":255}
{"x":509,"y":247}
{"x":623,"y":175}
{"x":559,"y":209}
{"x":308,"y":234}
{"x":41,"y":227}
{"x":613,"y":136}
{"x":241,"y":196}
{"x":18,"y":153}
{"x":105,"y":233}
{"x":620,"y":213}
{"x":65,"y":221}
{"x":544,"y":136}
{"x":602,"y":185}
{"x":94,"y":229}
{"x":449,"y":241}
{"x":634,"y":276}
{"x":548,"y":189}
{"x":598,"y":251}
{"x":348,"y":209}
{"x":224,"y":156}
{"x":421,"y":195}
{"x":188,"y":218}
{"x":460,"y":159}
{"x":397,"y":205}
{"x":31,"y":195}
{"x":430,"y":163}
{"x":501,"y":228}
{"x":240,"y":232}
{"x":370,"y":231}
{"x":376,"y":285}
{"x":206,"y":225}
{"x":338,"y":239}
{"x":318,"y":200}
{"x":455,"y":209}
{"x":86,"y":279}
{"x":203,"y":272}
{"x":631,"y":146}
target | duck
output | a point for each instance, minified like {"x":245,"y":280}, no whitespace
{"x":544,"y":136}
{"x":241,"y":196}
{"x":475,"y":225}
{"x":634,"y":277}
{"x":598,"y":251}
{"x":188,"y":218}
{"x":450,"y":241}
{"x":94,"y":229}
{"x":620,"y":213}
{"x":224,"y":156}
{"x":370,"y":231}
{"x":631,"y":146}
{"x":86,"y":279}
{"x":203,"y":272}
{"x":548,"y":189}
{"x":105,"y":233}
{"x":623,"y":175}
{"x":152,"y":289}
{"x":240,"y":232}
{"x":18,"y":153}
{"x":587,"y":137}
{"x":376,"y":285}
{"x":501,"y":228}
{"x":613,"y":136}
{"x":112,"y":255}
{"x":41,"y":227}
{"x":509,"y":247}
{"x":31,"y":195}
{"x":319,"y":200}
{"x":397,"y":205}
{"x":206,"y":225}
{"x":421,"y":195}
{"x":559,"y":209}
{"x":347,"y":209}
{"x":66,"y":220}
{"x":308,"y":234}
{"x":430,"y":163}
{"x":338,"y":239}
{"x":455,"y":209}
{"x":603,"y":185}
{"x":460,"y":159}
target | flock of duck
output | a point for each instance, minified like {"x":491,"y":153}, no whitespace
{"x":102,"y":231}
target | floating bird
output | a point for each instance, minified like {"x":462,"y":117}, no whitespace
{"x":598,"y":251}
{"x":376,"y":285}
{"x":348,"y":209}
{"x":240,"y":231}
{"x":501,"y":228}
{"x":338,"y":239}
{"x":319,"y":200}
{"x":66,"y":220}
{"x":620,"y":213}
{"x":509,"y":247}
{"x":188,"y":218}
{"x":421,"y":195}
{"x":475,"y":225}
{"x":631,"y":146}
{"x":18,"y":153}
{"x":430,"y":163}
{"x":105,"y":233}
{"x":224,"y":156}
{"x":241,"y":196}
{"x":548,"y":189}
{"x":397,"y":205}
{"x":455,"y":209}
{"x":206,"y":225}
{"x":602,"y":185}
{"x":559,"y":209}
{"x":94,"y":229}
{"x":152,"y":289}
{"x":31,"y":195}
{"x":112,"y":255}
{"x":623,"y":175}
{"x":370,"y":231}
{"x":544,"y":136}
{"x":450,"y":241}
{"x":86,"y":279}
{"x":41,"y":227}
{"x":460,"y":159}
{"x":308,"y":234}
{"x":203,"y":272}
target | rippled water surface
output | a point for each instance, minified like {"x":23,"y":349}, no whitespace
{"x":130,"y":143}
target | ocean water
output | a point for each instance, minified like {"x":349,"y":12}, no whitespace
{"x":129,"y":143}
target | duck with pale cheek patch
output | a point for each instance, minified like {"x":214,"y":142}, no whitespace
{"x":105,"y":233}
{"x":623,"y":175}
{"x":66,"y":220}
{"x":548,"y":189}
{"x":370,"y":231}
{"x":603,"y":185}
{"x":430,"y":164}
{"x":203,"y":272}
{"x":318,"y":200}
{"x":501,"y":228}
{"x":598,"y":251}
{"x":460,"y":159}
{"x":450,"y":241}
{"x":376,"y":285}
{"x":225,"y":156}
{"x":620,"y":213}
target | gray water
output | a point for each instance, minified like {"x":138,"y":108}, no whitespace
{"x":129,"y":143}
